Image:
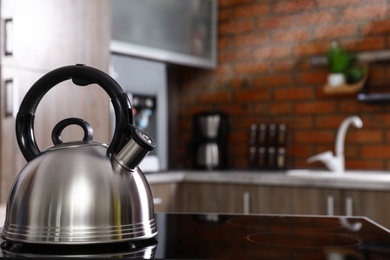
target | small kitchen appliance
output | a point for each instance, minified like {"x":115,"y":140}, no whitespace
{"x":210,"y":133}
{"x":80,"y":192}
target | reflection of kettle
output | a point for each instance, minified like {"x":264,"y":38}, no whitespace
{"x":80,"y":192}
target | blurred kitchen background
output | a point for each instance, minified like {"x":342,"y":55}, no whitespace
{"x":271,"y":69}
{"x":269,"y":72}
{"x":257,"y":62}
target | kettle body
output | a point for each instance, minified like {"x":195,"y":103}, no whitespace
{"x":80,"y":192}
{"x":68,"y":204}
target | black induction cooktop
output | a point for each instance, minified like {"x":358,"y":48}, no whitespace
{"x":218,"y":236}
{"x":213,"y":236}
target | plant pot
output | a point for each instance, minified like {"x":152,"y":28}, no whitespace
{"x":336,"y":79}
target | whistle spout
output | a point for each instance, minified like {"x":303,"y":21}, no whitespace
{"x":132,"y":154}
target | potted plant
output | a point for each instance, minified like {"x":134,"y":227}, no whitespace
{"x":339,"y":61}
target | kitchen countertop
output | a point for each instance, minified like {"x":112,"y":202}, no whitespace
{"x":276,"y":178}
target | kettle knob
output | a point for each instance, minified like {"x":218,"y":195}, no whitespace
{"x":135,"y":150}
{"x":60,"y":126}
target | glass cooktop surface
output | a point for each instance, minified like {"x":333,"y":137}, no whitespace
{"x":213,"y":236}
{"x":218,"y":236}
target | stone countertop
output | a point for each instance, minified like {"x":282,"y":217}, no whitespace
{"x":277,"y":178}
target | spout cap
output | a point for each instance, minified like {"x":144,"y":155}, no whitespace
{"x":132,"y":154}
{"x":143,"y":140}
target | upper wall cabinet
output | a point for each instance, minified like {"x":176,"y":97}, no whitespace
{"x":37,"y":37}
{"x":173,"y":31}
{"x":45,"y":34}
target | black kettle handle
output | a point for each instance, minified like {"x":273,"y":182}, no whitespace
{"x":81,"y":75}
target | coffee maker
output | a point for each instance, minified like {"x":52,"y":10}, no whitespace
{"x":210,"y":137}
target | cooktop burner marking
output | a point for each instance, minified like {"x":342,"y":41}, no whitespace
{"x":307,"y":240}
{"x":286,"y":223}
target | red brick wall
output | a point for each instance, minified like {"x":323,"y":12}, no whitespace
{"x":264,"y":74}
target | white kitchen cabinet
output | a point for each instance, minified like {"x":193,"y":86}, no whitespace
{"x":37,"y":37}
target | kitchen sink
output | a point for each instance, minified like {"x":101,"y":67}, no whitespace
{"x":348,"y":174}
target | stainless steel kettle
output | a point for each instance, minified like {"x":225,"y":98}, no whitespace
{"x":80,"y":192}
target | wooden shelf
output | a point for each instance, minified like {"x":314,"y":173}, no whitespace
{"x":347,"y":88}
{"x":344,"y":89}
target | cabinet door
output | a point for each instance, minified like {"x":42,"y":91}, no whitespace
{"x":216,"y":198}
{"x":297,"y":200}
{"x":38,"y":36}
{"x":13,"y":88}
{"x":164,"y":197}
{"x":198,"y":197}
{"x":42,"y":35}
{"x":46,"y":34}
{"x":372,"y":204}
{"x":61,"y":102}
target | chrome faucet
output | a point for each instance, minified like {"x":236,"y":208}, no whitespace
{"x":337,"y":163}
